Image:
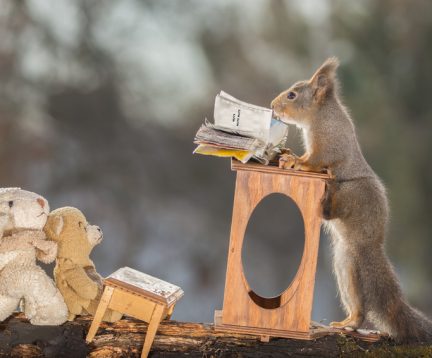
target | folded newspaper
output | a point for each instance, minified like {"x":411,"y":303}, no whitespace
{"x":242,"y":131}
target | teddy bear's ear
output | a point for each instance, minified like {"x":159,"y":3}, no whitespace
{"x":56,"y":224}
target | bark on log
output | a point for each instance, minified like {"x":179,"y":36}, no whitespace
{"x":125,"y":339}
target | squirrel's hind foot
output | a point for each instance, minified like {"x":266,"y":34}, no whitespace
{"x":352,"y":322}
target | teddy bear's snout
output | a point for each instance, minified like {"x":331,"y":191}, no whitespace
{"x":99,"y":231}
{"x":95,"y":235}
{"x":100,"y":238}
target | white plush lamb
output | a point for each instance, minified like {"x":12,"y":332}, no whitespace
{"x":23,"y":215}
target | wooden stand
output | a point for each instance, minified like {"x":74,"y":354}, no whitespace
{"x":289,"y":314}
{"x":140,"y":296}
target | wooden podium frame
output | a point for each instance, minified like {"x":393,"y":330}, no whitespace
{"x":289,"y":314}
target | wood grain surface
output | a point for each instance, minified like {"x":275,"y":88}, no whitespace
{"x":287,"y":315}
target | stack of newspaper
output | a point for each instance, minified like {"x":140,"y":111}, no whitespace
{"x":242,"y":131}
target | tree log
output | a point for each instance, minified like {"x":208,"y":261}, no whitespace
{"x":18,"y":338}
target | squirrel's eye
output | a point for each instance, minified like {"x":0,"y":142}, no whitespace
{"x":291,"y":95}
{"x":10,"y":203}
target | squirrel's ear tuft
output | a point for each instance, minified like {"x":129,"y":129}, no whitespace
{"x":324,"y":79}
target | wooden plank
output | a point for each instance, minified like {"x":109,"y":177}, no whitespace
{"x":315,"y":331}
{"x":156,"y":317}
{"x":256,"y":331}
{"x":132,"y":305}
{"x":145,"y":284}
{"x":102,"y":307}
{"x":292,"y":310}
{"x":132,"y":289}
{"x":272,"y":169}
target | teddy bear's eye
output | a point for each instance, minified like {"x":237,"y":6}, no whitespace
{"x":291,"y":95}
{"x":82,"y":225}
{"x":10,"y":203}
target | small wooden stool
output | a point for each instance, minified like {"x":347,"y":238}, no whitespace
{"x":138,"y":295}
{"x":289,"y":314}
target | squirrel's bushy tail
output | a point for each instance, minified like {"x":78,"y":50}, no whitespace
{"x":417,"y":328}
{"x":386,"y":307}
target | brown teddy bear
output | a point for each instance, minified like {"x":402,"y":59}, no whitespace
{"x":75,"y":274}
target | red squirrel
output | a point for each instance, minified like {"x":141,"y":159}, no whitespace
{"x":355,"y":207}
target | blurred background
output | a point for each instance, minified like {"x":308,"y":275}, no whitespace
{"x":100,"y":101}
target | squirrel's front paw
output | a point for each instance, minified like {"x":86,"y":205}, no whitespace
{"x":287,"y":161}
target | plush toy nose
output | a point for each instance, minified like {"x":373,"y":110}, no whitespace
{"x":41,"y":202}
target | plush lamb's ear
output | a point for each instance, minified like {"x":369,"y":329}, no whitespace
{"x":324,"y":79}
{"x":56,"y":224}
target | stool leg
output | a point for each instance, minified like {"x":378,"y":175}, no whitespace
{"x":103,"y":305}
{"x":170,"y":312}
{"x":151,"y":329}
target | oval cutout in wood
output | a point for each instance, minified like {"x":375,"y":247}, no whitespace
{"x":272,"y":248}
